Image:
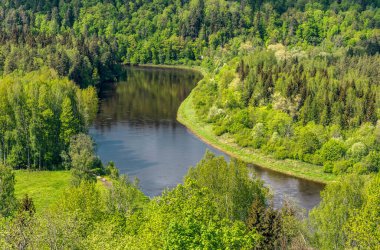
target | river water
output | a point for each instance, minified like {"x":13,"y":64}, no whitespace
{"x":136,"y":128}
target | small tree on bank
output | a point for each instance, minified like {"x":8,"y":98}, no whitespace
{"x":85,"y":165}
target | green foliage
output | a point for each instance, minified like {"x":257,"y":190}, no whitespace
{"x":328,"y":167}
{"x":363,"y":226}
{"x":299,"y":105}
{"x":124,"y":197}
{"x":278,"y":227}
{"x":7,"y":197}
{"x":86,"y":41}
{"x":40,"y":112}
{"x":187,"y":217}
{"x":312,"y":100}
{"x":332,"y":150}
{"x":85,"y":165}
{"x":333,"y":213}
{"x":342,"y":166}
{"x":357,"y":151}
{"x":372,"y":161}
{"x":230,"y":185}
{"x":69,"y":122}
{"x":209,"y":210}
{"x":112,"y":171}
{"x":348,"y":216}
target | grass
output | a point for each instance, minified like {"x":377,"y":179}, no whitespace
{"x":187,"y":116}
{"x":44,"y":187}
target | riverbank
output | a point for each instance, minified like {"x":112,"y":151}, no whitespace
{"x":197,"y":69}
{"x":186,"y":115}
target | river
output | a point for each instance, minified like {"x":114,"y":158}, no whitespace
{"x":136,"y":128}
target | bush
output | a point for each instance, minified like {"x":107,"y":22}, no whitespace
{"x":112,"y":171}
{"x":372,"y":161}
{"x":332,"y":150}
{"x":215,"y":114}
{"x":243,"y":138}
{"x":341,"y":167}
{"x":357,"y":151}
{"x":258,"y":135}
{"x":281,"y":153}
{"x":360,"y":168}
{"x":317,"y":159}
{"x":307,"y":141}
{"x":328,"y":167}
{"x":219,"y":130}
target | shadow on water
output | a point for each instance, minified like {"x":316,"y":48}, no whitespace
{"x":136,"y":128}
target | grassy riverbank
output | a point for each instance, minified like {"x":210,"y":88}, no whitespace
{"x":186,"y":116}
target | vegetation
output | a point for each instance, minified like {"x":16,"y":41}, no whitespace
{"x":7,"y":196}
{"x":40,"y":112}
{"x":219,"y":205}
{"x":319,"y":82}
{"x":292,"y":84}
{"x":191,"y":215}
{"x":44,"y":187}
{"x":298,"y":108}
{"x":347,"y":216}
{"x":86,"y":40}
{"x":188,"y":117}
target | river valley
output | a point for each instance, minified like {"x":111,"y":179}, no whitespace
{"x":136,"y":128}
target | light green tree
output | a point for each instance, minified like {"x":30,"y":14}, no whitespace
{"x":84,"y":163}
{"x":8,"y":200}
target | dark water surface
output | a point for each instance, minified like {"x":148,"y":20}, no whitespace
{"x":137,"y":129}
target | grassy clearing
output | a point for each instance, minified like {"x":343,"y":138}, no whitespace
{"x":186,"y":116}
{"x":45,"y":187}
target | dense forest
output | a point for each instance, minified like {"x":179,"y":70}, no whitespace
{"x":86,"y":40}
{"x":291,"y":79}
{"x":323,"y":110}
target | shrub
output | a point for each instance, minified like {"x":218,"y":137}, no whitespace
{"x":372,"y":161}
{"x":281,"y":153}
{"x":243,"y":138}
{"x":328,"y":167}
{"x":360,"y":168}
{"x":332,"y":150}
{"x":219,"y":130}
{"x":112,"y":171}
{"x":258,"y":135}
{"x":215,"y":114}
{"x":341,"y":167}
{"x":357,"y":151}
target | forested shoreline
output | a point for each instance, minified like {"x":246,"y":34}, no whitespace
{"x":305,"y":111}
{"x":291,"y":79}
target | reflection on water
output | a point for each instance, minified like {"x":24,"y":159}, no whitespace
{"x":303,"y":192}
{"x":137,"y":129}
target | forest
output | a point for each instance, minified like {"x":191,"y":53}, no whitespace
{"x":321,"y":110}
{"x":289,"y":79}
